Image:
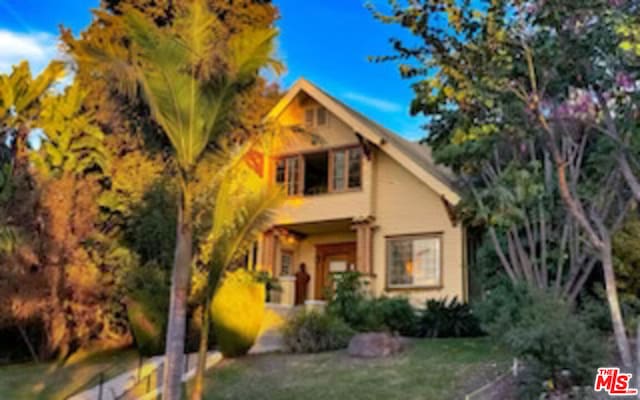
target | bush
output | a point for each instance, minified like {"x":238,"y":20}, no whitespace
{"x":313,"y":332}
{"x":394,"y":314}
{"x":501,"y":308}
{"x":237,"y":312}
{"x":364,"y":314}
{"x":442,"y":318}
{"x":147,"y":307}
{"x":556,"y":344}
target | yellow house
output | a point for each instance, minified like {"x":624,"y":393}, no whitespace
{"x":359,"y":198}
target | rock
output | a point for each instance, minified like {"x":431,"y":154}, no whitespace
{"x":370,"y":345}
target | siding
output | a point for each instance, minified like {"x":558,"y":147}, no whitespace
{"x":404,"y":206}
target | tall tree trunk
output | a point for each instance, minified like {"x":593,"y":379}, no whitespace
{"x":198,"y":386}
{"x":614,"y":307}
{"x":176,"y":329}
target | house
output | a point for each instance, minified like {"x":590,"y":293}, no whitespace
{"x":359,"y":198}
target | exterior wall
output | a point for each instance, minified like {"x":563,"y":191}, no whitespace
{"x":329,"y":206}
{"x":405,"y":206}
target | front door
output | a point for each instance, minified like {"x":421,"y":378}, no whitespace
{"x":330,"y":259}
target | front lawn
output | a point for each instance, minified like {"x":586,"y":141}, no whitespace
{"x":51,"y":381}
{"x":431,"y":369}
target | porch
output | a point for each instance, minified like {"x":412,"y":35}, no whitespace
{"x":304,"y":257}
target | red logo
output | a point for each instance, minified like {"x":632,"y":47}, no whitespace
{"x":614,"y":382}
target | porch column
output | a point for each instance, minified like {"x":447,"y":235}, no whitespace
{"x":270,"y":251}
{"x":364,"y":248}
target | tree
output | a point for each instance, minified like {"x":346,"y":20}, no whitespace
{"x":20,"y":96}
{"x":190,"y":101}
{"x":243,"y":206}
{"x":543,"y":76}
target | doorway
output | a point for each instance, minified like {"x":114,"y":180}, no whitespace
{"x":330,"y":259}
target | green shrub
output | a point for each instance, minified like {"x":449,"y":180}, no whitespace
{"x":501,"y":308}
{"x":349,"y":301}
{"x":442,"y":318}
{"x":147,"y":307}
{"x":394,"y":314}
{"x":364,"y":314}
{"x":237,"y":312}
{"x":556,"y":344}
{"x":313,"y":332}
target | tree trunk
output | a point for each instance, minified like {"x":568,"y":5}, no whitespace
{"x":198,"y":386}
{"x":614,"y":307}
{"x":176,"y":327}
{"x":26,"y":340}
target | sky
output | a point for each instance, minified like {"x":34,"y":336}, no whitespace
{"x":325,"y":41}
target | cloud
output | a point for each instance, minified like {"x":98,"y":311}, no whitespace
{"x":38,"y":48}
{"x":374,"y":102}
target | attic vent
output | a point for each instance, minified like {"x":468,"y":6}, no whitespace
{"x":321,"y":116}
{"x":314,"y":117}
{"x":309,"y":118}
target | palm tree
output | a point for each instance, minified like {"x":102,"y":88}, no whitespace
{"x":20,"y":98}
{"x":73,"y":143}
{"x":243,"y":208}
{"x":190,"y":100}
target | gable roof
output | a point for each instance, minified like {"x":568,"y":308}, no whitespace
{"x":413,"y":156}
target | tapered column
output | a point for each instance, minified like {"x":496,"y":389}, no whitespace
{"x":364,"y":245}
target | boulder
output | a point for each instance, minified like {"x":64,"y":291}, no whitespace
{"x":375,"y":344}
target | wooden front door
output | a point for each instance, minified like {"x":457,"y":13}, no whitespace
{"x":331,"y":258}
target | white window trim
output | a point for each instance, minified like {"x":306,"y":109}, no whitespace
{"x":390,"y":239}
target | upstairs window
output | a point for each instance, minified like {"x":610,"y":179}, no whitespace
{"x":337,"y":170}
{"x":347,"y":169}
{"x":315,"y":117}
{"x":316,"y":173}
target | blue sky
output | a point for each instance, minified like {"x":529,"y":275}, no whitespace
{"x":327,"y":42}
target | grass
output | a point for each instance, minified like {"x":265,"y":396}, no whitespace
{"x":52,"y":381}
{"x":431,"y":369}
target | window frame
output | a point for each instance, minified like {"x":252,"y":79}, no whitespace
{"x":291,"y":255}
{"x":415,"y":236}
{"x":301,"y":170}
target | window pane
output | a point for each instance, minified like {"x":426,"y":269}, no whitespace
{"x":321,"y":116}
{"x":293,"y":172}
{"x":286,"y":262}
{"x":401,"y":262}
{"x":426,"y":258}
{"x":280,"y":171}
{"x":338,"y":170}
{"x":308,"y":118}
{"x":414,"y":262}
{"x":355,"y":168}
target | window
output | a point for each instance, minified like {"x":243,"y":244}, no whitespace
{"x":286,"y":262}
{"x":321,"y":116}
{"x":414,"y":261}
{"x":316,"y":173}
{"x":308,"y":117}
{"x":320,"y":172}
{"x":347,"y":169}
{"x":338,"y":170}
{"x":355,"y":168}
{"x":315,"y":116}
